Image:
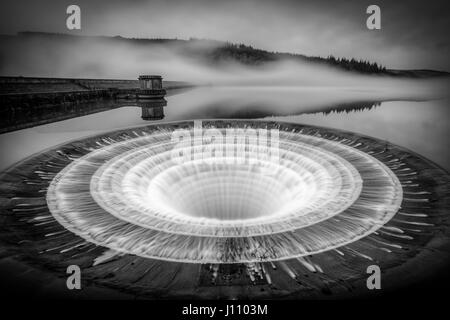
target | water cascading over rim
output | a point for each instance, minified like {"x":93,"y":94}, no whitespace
{"x":132,"y":197}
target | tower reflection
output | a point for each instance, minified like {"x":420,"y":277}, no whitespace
{"x":152,"y":109}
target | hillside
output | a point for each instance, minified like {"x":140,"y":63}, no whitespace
{"x":217,"y":54}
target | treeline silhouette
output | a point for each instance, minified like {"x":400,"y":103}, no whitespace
{"x":251,"y":56}
{"x":356,"y":65}
{"x":217,"y":52}
{"x":242,"y":54}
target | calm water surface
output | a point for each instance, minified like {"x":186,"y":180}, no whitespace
{"x":417,"y":123}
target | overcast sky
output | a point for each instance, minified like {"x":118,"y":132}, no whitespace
{"x":414,"y":34}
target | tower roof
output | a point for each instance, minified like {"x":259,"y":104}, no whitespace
{"x":149,"y":77}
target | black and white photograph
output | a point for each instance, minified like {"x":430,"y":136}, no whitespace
{"x":220,"y":158}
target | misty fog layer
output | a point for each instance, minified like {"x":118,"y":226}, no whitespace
{"x":414,"y":33}
{"x":104,"y":57}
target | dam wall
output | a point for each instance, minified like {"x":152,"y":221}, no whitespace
{"x":27,"y":101}
{"x":11,"y":85}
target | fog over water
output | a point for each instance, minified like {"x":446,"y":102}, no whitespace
{"x":421,"y":126}
{"x":287,"y":88}
{"x":413,"y":35}
{"x":87,"y":57}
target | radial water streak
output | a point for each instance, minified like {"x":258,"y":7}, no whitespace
{"x":132,"y":196}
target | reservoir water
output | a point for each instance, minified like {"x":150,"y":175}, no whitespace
{"x":414,"y":121}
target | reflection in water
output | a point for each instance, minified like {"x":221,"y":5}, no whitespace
{"x":250,"y":102}
{"x":258,"y":110}
{"x":410,"y":121}
{"x":30,"y":116}
{"x":152,"y":109}
{"x":351,"y":107}
{"x":19,"y":112}
{"x":15,"y":117}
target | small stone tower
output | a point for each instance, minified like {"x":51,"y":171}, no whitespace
{"x":150,"y":87}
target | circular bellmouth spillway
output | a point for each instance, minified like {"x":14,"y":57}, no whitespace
{"x":273,"y":193}
{"x":136,"y":197}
